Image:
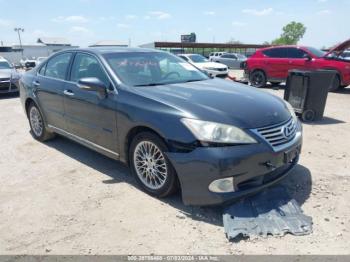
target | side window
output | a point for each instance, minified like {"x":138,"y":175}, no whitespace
{"x":87,"y":66}
{"x":276,"y":53}
{"x":184,"y":58}
{"x":232,"y":56}
{"x":42,"y":70}
{"x":296,"y":53}
{"x":225,"y":56}
{"x":57,"y":66}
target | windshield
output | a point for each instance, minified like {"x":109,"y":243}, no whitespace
{"x":198,"y":58}
{"x":316,"y":52}
{"x":152,"y":68}
{"x":4,"y":65}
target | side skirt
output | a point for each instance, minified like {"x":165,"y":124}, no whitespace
{"x":85,"y":142}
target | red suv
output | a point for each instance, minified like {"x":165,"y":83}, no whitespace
{"x":272,"y":64}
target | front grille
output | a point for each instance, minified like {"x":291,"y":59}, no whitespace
{"x":221,"y":69}
{"x":278,"y":135}
{"x":4,"y":79}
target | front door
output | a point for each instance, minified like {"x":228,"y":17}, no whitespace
{"x":298,"y":59}
{"x":89,"y":116}
{"x":49,"y":85}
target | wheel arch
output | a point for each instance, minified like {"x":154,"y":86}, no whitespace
{"x":135,"y":131}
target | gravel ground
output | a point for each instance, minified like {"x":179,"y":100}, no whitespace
{"x":61,"y":198}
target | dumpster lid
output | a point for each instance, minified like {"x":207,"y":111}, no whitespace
{"x":339,"y":48}
{"x":271,"y":212}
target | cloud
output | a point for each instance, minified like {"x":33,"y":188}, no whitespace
{"x":324,"y":12}
{"x":130,"y":17}
{"x":212,"y":13}
{"x":266,"y":11}
{"x":158,"y":15}
{"x":71,"y":19}
{"x":5,"y":23}
{"x":121,"y":25}
{"x":238,"y":24}
{"x":80,"y":30}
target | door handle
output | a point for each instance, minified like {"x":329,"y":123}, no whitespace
{"x":36,"y":83}
{"x":68,"y":92}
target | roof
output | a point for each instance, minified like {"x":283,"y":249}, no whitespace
{"x":106,"y":50}
{"x":53,"y":41}
{"x":109,"y":43}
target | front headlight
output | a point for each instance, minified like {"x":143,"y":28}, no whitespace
{"x":217,"y":133}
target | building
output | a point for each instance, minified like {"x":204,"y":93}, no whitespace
{"x":43,"y":48}
{"x":204,"y":48}
{"x":109,"y":43}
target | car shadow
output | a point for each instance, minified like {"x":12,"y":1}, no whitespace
{"x":345,"y":90}
{"x":9,"y":95}
{"x":325,"y":121}
{"x":298,"y":183}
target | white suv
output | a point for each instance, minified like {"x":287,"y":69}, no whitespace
{"x":215,"y":55}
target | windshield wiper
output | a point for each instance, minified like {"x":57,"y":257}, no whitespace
{"x":194,"y":80}
{"x":152,"y":84}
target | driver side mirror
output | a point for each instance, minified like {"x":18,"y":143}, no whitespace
{"x":307,"y":57}
{"x":93,"y":84}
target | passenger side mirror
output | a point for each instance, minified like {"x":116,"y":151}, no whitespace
{"x":93,"y":84}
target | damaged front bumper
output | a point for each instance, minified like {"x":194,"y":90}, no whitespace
{"x":251,"y":168}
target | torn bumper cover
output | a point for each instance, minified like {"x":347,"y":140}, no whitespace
{"x":271,"y":212}
{"x":244,"y":170}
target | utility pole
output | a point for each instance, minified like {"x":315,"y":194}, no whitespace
{"x":19,"y":30}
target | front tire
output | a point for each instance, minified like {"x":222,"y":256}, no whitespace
{"x":37,"y":124}
{"x":150,"y":166}
{"x":258,"y":79}
{"x":335,"y":85}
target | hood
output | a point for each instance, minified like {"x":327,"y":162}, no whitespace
{"x":221,"y":101}
{"x":210,"y":64}
{"x":339,"y":48}
{"x":6,"y":73}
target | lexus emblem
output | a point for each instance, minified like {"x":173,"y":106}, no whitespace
{"x":287,"y":132}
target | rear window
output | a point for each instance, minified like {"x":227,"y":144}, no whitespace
{"x":276,"y":53}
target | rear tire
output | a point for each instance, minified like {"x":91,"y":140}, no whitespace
{"x":258,"y":79}
{"x":37,"y":124}
{"x":335,"y":85}
{"x":150,"y":165}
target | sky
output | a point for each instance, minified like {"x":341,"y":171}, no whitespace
{"x":84,"y":22}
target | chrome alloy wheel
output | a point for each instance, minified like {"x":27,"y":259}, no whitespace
{"x":36,"y":121}
{"x":150,"y":165}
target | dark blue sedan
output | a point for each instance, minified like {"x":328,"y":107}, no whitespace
{"x":176,"y":127}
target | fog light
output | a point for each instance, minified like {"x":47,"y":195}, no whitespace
{"x":224,"y":185}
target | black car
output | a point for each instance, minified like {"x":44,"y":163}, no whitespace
{"x":172,"y":124}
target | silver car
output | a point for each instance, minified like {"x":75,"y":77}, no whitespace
{"x":8,"y":77}
{"x":232,"y":60}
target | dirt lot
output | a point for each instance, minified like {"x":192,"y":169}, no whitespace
{"x":61,"y":198}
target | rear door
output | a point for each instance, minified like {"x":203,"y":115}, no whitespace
{"x":89,"y":116}
{"x":276,"y":63}
{"x":49,"y":84}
